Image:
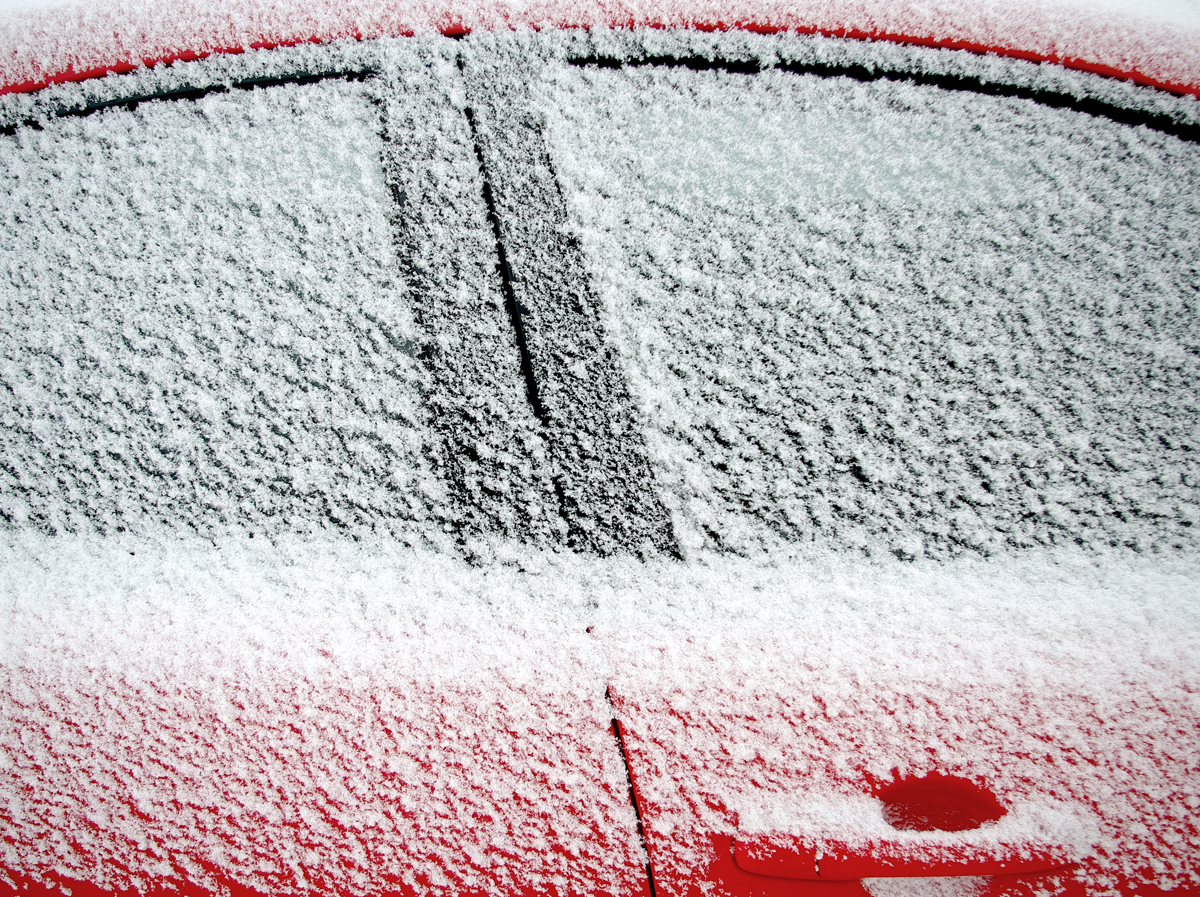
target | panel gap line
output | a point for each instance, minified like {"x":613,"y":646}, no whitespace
{"x":515,"y":312}
{"x":637,"y":811}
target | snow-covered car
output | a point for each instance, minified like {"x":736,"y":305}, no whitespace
{"x":458,"y":455}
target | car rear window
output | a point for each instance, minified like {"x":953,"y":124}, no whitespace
{"x":887,"y":316}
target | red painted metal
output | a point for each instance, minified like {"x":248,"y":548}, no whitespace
{"x":456,"y":28}
{"x":730,"y":878}
{"x":724,"y":875}
{"x":938,"y":803}
{"x":933,"y":803}
{"x":832,"y":860}
{"x":156,"y":790}
{"x":740,"y":865}
{"x":704,"y":852}
{"x":979,"y":48}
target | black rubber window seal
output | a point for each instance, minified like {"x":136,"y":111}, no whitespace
{"x":131,"y":103}
{"x":1156,"y":121}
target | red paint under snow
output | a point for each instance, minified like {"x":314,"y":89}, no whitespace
{"x":457,"y":29}
{"x":938,"y":803}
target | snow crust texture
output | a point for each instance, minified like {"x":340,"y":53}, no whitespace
{"x":290,"y":599}
{"x":773,"y":701}
{"x":274,"y":309}
{"x":1155,"y":39}
{"x":303,"y":717}
{"x":494,"y":452}
{"x":892,"y":316}
{"x":204,"y":324}
{"x":577,"y":384}
{"x":316,"y":714}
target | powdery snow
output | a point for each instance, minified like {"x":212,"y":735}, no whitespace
{"x":304,"y":716}
{"x":323,"y":708}
{"x":205,"y":325}
{"x":770,"y":700}
{"x":211,"y":312}
{"x":888,"y":315}
{"x":318,"y":714}
{"x":47,"y":42}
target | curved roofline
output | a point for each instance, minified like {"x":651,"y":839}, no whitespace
{"x":1118,"y":69}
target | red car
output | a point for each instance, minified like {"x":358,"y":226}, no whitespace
{"x":447,"y":456}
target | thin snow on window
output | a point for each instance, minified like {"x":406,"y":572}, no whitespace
{"x":204,"y":324}
{"x":891,"y":317}
{"x":203,"y":295}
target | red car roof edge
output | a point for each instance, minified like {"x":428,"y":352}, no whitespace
{"x":457,"y":29}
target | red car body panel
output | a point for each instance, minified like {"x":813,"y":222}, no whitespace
{"x":547,"y":739}
{"x":707,"y":754}
{"x":55,"y":46}
{"x":336,"y":764}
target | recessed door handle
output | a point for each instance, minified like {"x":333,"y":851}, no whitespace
{"x":785,"y":856}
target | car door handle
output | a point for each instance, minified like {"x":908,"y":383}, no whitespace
{"x":811,"y":859}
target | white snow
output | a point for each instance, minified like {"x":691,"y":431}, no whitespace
{"x":877,"y":320}
{"x":317,"y":713}
{"x":770,"y":698}
{"x":927,"y":887}
{"x":204,"y":322}
{"x":300,"y":716}
{"x":324,"y":707}
{"x":46,"y":40}
{"x":891,"y":316}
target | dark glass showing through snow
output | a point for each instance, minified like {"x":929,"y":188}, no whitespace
{"x":204,"y":326}
{"x":891,"y":316}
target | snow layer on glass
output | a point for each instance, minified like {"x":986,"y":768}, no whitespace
{"x":495,"y":448}
{"x":889,"y":316}
{"x":152,"y":686}
{"x":204,"y":322}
